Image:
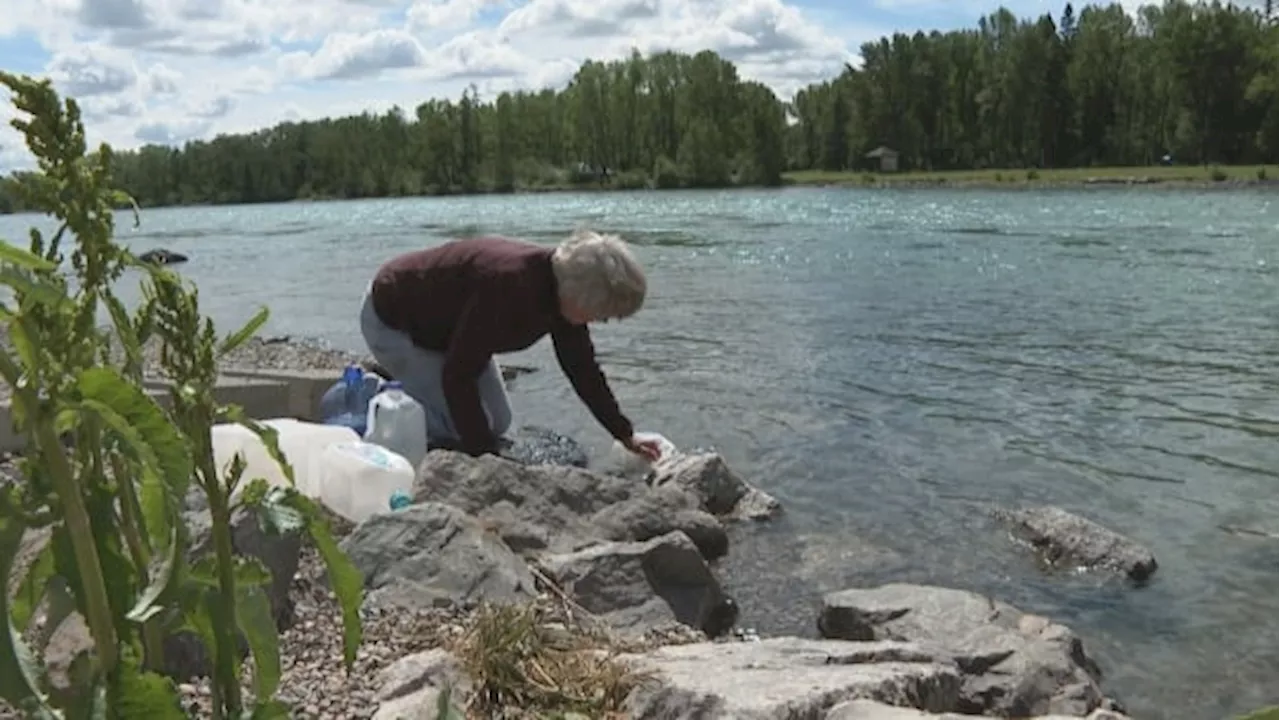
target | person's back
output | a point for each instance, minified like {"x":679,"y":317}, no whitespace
{"x":424,"y":292}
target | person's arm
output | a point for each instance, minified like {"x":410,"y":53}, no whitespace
{"x":577,"y":357}
{"x":467,"y":356}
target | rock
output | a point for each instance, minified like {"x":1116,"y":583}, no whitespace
{"x":431,"y":554}
{"x":532,"y":507}
{"x":410,"y":688}
{"x":787,"y":678}
{"x":1013,"y":664}
{"x":659,"y":512}
{"x":594,"y":526}
{"x":161,"y":256}
{"x":1062,"y":537}
{"x":185,"y":656}
{"x":640,"y":585}
{"x":534,"y":445}
{"x":872,"y":710}
{"x":561,"y":509}
{"x":720,"y":491}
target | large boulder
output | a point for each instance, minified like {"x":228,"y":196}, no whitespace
{"x":634,"y":554}
{"x":1063,"y":538}
{"x":1013,"y":664}
{"x":558,"y":508}
{"x":787,"y":678}
{"x":432,"y":554}
{"x":640,"y":585}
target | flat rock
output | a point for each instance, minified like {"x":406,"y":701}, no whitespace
{"x":872,"y":710}
{"x":640,"y":585}
{"x":787,"y":679}
{"x":432,"y":554}
{"x":1013,"y":664}
{"x":1063,"y":538}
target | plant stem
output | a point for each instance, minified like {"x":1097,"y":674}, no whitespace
{"x":131,"y":526}
{"x":80,"y":531}
{"x":225,"y":625}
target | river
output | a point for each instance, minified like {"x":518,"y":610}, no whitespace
{"x":888,"y":362}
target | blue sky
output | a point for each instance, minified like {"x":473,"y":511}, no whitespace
{"x":167,"y":71}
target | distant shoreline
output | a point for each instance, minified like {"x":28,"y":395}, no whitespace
{"x":1164,"y":177}
{"x":1225,"y":178}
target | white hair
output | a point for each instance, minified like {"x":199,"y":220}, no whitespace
{"x":599,"y":275}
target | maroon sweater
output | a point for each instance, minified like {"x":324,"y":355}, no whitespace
{"x":474,"y":298}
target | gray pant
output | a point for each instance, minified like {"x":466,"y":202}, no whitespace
{"x":419,"y":370}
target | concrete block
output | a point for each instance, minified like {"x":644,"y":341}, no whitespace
{"x":261,"y":397}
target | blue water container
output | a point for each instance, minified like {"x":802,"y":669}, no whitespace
{"x":346,"y":403}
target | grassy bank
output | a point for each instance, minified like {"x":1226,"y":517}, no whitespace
{"x":1179,"y":176}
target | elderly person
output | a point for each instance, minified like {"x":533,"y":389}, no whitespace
{"x":435,"y":318}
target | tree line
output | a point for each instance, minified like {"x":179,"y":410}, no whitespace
{"x":1191,"y":82}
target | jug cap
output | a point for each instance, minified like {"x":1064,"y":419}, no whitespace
{"x":394,"y":385}
{"x":352,"y":373}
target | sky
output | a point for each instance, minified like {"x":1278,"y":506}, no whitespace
{"x":167,"y":71}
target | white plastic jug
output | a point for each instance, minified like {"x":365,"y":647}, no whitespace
{"x":630,"y":465}
{"x":302,"y":444}
{"x":357,"y":479}
{"x":398,"y":423}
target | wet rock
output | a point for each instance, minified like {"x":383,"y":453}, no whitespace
{"x":161,"y":256}
{"x":534,"y":445}
{"x":639,"y":585}
{"x":1063,"y":538}
{"x":787,"y":678}
{"x":1013,"y":664}
{"x":430,"y":554}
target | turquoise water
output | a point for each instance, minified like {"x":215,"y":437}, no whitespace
{"x":889,"y":361}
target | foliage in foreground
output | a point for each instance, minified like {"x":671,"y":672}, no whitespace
{"x":525,"y":662}
{"x":107,"y":470}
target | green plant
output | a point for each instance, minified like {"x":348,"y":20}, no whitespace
{"x":107,"y":470}
{"x":1261,"y":173}
{"x":1217,"y":174}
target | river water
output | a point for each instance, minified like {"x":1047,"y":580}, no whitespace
{"x":890,"y":362}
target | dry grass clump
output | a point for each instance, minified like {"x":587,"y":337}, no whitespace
{"x":525,"y":661}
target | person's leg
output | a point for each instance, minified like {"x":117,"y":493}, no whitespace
{"x":493,"y":396}
{"x":419,"y":371}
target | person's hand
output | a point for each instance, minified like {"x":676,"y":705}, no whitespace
{"x":648,"y":449}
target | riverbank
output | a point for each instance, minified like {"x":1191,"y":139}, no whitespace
{"x":1175,"y":177}
{"x":1227,"y":177}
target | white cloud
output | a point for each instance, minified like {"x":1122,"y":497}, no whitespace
{"x":173,"y":70}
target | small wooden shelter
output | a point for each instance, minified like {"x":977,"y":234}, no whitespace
{"x":887,"y":157}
